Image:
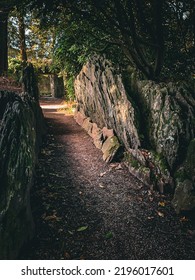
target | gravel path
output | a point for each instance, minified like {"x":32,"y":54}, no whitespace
{"x":86,"y":209}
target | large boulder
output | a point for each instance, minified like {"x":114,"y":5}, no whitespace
{"x":20,"y":135}
{"x":184,"y":196}
{"x":101,"y":96}
{"x":153,"y":121}
{"x":168,"y":115}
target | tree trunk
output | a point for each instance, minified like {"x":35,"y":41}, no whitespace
{"x":22,"y":37}
{"x":3,"y":44}
{"x":193,"y":23}
{"x":158,"y":8}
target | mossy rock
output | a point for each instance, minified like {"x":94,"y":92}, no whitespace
{"x":187,"y":169}
{"x":184,"y":197}
{"x":131,"y":160}
{"x":110,"y":148}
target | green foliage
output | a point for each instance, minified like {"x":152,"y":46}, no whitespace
{"x":70,"y":51}
{"x":15,"y":68}
{"x":69,"y":86}
{"x":83,"y":228}
{"x":157,"y":37}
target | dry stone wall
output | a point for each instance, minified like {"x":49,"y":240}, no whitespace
{"x":104,"y":139}
{"x":154,"y":122}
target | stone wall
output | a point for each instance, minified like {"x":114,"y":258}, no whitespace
{"x":154,"y":122}
{"x":21,"y":129}
{"x":104,"y":139}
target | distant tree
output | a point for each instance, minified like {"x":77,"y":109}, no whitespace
{"x":5,"y":8}
{"x":22,"y":35}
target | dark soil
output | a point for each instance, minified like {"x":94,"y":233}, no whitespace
{"x":86,"y":209}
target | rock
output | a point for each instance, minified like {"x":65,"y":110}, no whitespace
{"x":88,"y":125}
{"x":107,"y":132}
{"x":79,"y":117}
{"x":97,"y":136}
{"x":110,"y":148}
{"x":101,"y":95}
{"x":138,"y":168}
{"x":153,"y":121}
{"x":19,"y":140}
{"x":162,"y":114}
{"x":29,"y":80}
{"x":184,"y":196}
{"x":168,"y":111}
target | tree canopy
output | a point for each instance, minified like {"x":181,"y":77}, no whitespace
{"x":157,"y":37}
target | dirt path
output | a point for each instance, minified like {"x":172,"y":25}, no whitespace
{"x":86,"y":209}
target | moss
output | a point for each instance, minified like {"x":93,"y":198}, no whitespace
{"x":160,"y":160}
{"x":131,"y":160}
{"x":180,"y":175}
{"x":144,"y":169}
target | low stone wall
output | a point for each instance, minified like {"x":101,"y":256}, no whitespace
{"x":21,"y":130}
{"x":154,"y":122}
{"x":104,"y":139}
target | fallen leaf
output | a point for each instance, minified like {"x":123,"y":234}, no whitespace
{"x":101,"y":186}
{"x":151,"y":198}
{"x":119,"y":167}
{"x":150,"y":218}
{"x":160,"y":214}
{"x":70,"y":232}
{"x":161,"y":203}
{"x":82,"y":228}
{"x":102,"y":174}
{"x":52,"y":218}
{"x":184,"y":219}
{"x":113,"y":165}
